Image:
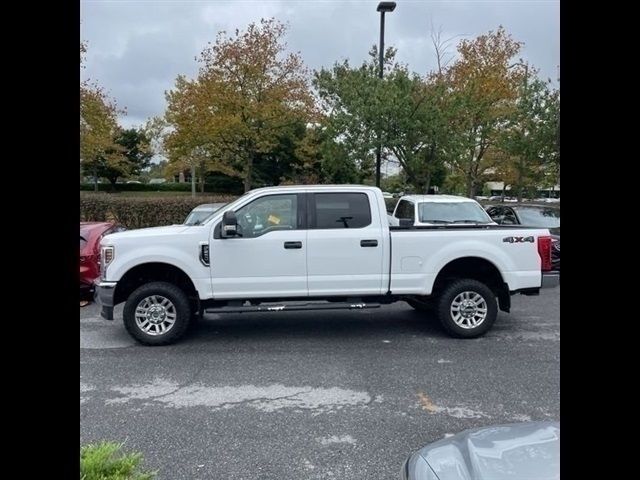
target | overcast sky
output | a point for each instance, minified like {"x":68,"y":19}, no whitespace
{"x":137,"y":48}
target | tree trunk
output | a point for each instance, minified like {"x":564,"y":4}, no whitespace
{"x":249,"y":171}
{"x":193,"y":181}
{"x":113,"y":181}
{"x":471,"y":188}
{"x":201,"y":177}
{"x":95,"y":178}
{"x":520,"y":180}
{"x":427,"y":183}
{"x":470,"y":184}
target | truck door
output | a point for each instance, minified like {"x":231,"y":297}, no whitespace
{"x":345,"y":245}
{"x":270,"y":258}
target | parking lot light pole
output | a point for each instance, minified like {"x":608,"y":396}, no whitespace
{"x":524,"y":95}
{"x":383,"y":7}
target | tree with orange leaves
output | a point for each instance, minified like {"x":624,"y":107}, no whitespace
{"x":484,"y":84}
{"x":247,"y":95}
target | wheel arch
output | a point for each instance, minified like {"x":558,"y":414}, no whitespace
{"x":154,"y":272}
{"x":476,"y":268}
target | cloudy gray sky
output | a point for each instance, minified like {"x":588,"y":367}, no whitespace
{"x":137,"y":48}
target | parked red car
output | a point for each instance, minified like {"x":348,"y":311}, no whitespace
{"x":90,"y":235}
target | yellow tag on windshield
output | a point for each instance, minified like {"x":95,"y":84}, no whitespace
{"x":273,"y":219}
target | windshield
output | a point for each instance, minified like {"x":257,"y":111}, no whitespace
{"x":539,"y":217}
{"x":226,"y":206}
{"x":453,"y":212}
{"x":199,"y":215}
{"x":196,"y":218}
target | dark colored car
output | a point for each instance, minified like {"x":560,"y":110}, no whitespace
{"x":517,"y":451}
{"x":90,"y":235}
{"x":530,"y":215}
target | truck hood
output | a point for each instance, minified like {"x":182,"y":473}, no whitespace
{"x":146,"y":232}
{"x":521,"y":450}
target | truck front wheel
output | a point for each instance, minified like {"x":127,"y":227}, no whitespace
{"x":157,"y":313}
{"x":467,"y":308}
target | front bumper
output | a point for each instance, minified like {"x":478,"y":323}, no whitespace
{"x":550,"y":279}
{"x":104,"y":295}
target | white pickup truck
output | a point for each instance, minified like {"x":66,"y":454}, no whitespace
{"x":316,"y":248}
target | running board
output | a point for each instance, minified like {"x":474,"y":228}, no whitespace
{"x":293,"y":308}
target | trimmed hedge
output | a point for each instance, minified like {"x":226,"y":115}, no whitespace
{"x":218,"y":184}
{"x":137,"y":187}
{"x":133,"y":212}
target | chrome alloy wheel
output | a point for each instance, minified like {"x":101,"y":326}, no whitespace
{"x":155,"y":315}
{"x":469,"y":310}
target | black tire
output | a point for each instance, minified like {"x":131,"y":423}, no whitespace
{"x":420,"y":305}
{"x":449,"y":294}
{"x":182,"y":313}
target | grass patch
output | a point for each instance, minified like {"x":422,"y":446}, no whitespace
{"x":107,"y":461}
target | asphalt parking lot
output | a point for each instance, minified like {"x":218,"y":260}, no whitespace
{"x":313,"y":395}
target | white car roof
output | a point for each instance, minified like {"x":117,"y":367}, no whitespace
{"x":313,"y":188}
{"x":437,"y":199}
{"x":208,"y":206}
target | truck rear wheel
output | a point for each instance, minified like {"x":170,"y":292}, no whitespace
{"x":157,"y":313}
{"x":467,"y":308}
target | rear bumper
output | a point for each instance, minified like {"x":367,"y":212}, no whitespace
{"x":104,"y":295}
{"x":550,"y":279}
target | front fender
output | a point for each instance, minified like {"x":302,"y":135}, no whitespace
{"x":186,"y":261}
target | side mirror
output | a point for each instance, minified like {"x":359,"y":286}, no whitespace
{"x":229,"y":224}
{"x":405,"y":222}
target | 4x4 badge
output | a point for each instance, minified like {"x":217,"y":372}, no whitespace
{"x":518,"y":239}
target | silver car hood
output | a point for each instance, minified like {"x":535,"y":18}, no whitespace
{"x":519,"y":451}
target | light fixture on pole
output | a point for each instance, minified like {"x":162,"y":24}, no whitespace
{"x":383,"y":7}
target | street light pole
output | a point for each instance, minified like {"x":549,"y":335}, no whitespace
{"x":383,"y":7}
{"x":525,"y":91}
{"x":381,"y":52}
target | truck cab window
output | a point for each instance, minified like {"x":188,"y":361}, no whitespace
{"x":267,"y":214}
{"x":342,"y":210}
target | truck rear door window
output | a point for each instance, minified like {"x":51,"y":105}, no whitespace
{"x":341,"y":210}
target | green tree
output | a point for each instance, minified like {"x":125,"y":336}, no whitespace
{"x":134,"y":155}
{"x":529,"y":138}
{"x":406,"y":113}
{"x":309,"y":156}
{"x":154,"y":170}
{"x":280,"y":162}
